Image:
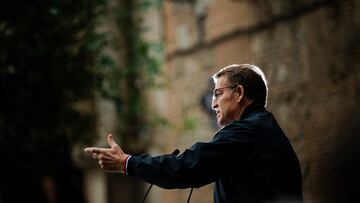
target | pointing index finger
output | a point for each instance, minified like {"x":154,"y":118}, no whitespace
{"x":94,"y":149}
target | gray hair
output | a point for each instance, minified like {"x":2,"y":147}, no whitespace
{"x":251,"y":77}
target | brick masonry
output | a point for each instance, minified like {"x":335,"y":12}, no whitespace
{"x":310,"y":52}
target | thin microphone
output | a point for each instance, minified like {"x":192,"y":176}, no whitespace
{"x":188,"y":201}
{"x":175,"y":152}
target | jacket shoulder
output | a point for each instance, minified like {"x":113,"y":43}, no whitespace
{"x":247,"y":127}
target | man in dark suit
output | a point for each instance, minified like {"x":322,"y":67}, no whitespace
{"x":250,"y":159}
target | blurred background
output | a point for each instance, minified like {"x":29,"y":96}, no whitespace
{"x":73,"y":71}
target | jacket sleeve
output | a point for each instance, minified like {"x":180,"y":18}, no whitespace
{"x":199,"y":165}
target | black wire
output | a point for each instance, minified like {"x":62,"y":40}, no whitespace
{"x":175,"y":152}
{"x":147,"y":192}
{"x":190,"y":195}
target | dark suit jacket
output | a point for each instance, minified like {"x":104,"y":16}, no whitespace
{"x":250,"y":160}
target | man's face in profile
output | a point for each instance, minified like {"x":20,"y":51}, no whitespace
{"x":224,"y":102}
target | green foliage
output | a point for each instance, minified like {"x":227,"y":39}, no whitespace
{"x":125,"y":84}
{"x":190,"y":123}
{"x":46,"y":70}
{"x":53,"y":64}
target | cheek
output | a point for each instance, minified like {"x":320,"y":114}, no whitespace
{"x":226,"y":109}
{"x":222,"y":106}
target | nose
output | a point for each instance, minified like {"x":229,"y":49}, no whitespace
{"x":214,"y":104}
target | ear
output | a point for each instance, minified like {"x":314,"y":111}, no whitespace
{"x":240,"y":93}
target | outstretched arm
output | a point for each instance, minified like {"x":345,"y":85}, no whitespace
{"x":111,"y":159}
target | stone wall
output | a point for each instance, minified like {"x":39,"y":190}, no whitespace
{"x":309,"y":51}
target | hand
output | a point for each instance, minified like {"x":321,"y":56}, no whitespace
{"x":110,"y":159}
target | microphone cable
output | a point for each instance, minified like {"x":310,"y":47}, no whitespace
{"x":147,"y":192}
{"x":175,"y":152}
{"x":188,"y":201}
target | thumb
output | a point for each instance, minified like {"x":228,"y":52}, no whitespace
{"x":111,"y":141}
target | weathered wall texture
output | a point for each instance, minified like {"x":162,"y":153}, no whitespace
{"x":310,"y":52}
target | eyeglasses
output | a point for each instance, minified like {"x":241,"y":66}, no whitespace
{"x":217,"y":92}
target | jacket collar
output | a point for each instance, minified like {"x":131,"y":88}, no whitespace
{"x":253,"y":107}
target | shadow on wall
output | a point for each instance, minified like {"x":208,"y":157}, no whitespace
{"x":344,"y":166}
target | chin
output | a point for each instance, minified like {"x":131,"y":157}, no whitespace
{"x":221,"y":123}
